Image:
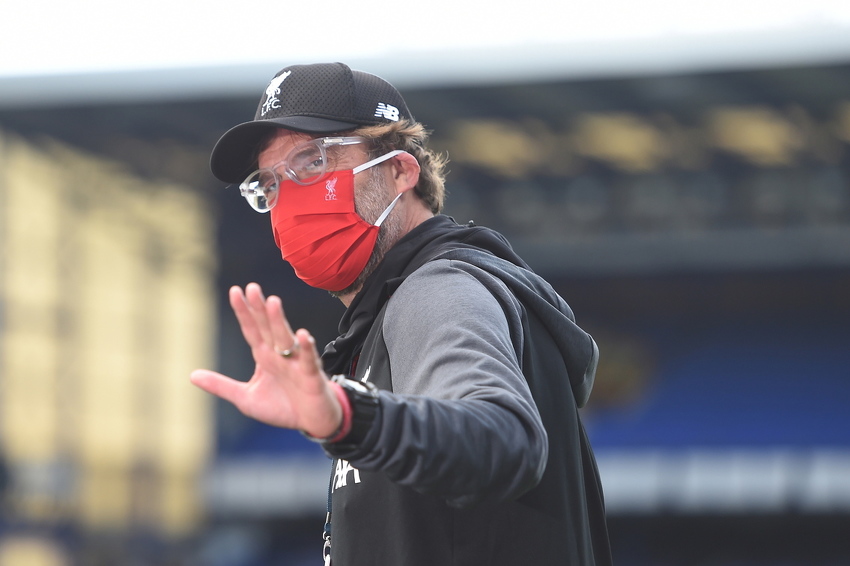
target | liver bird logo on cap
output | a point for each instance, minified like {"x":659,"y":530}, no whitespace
{"x":272,"y":101}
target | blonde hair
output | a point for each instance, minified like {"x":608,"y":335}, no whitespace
{"x":412,"y":137}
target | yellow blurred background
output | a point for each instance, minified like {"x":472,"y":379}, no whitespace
{"x":106,"y":293}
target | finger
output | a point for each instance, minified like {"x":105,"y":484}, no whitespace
{"x":308,"y":358}
{"x":242,"y":310}
{"x":257,"y":307}
{"x":251,"y":320}
{"x":282,"y":336}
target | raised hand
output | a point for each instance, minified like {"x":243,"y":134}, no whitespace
{"x":288,"y":388}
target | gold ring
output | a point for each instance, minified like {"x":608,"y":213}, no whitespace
{"x":288,"y":353}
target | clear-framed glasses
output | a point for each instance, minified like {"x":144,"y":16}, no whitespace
{"x":307,"y":163}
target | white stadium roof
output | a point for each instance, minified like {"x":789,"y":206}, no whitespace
{"x":54,"y":53}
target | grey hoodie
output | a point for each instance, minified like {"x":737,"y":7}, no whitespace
{"x":477,"y":454}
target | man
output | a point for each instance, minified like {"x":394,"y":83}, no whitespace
{"x":452,"y":416}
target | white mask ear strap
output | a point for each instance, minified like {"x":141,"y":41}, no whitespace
{"x":377,"y":160}
{"x":386,"y":212}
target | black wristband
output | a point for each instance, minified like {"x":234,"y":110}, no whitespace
{"x":363,"y":397}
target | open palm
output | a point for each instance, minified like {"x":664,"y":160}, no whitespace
{"x":290,"y":392}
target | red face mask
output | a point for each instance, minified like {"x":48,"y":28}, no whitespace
{"x":319,"y":233}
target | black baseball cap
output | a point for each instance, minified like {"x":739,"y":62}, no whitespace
{"x":324,"y":98}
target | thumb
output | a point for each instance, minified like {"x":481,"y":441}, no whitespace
{"x":218,"y":384}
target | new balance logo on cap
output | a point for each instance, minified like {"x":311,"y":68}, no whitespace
{"x":387,"y":111}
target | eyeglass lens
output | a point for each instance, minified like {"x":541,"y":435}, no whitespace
{"x":305,"y":165}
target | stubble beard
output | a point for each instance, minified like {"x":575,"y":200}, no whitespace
{"x":370,"y":202}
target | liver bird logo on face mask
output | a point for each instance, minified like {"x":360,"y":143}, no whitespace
{"x":272,"y":101}
{"x":331,"y":188}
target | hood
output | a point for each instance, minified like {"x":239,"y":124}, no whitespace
{"x":576,"y":347}
{"x":442,"y":237}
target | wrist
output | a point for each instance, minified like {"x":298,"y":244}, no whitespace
{"x":345,"y":424}
{"x":360,"y":405}
{"x":345,"y":420}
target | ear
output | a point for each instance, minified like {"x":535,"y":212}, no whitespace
{"x":405,"y":172}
